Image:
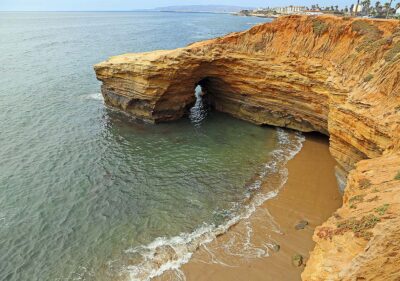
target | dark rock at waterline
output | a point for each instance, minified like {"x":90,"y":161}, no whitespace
{"x":275,"y":247}
{"x":301,"y":225}
{"x":297,"y":260}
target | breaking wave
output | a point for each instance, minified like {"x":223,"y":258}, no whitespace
{"x":95,"y":96}
{"x":169,"y":254}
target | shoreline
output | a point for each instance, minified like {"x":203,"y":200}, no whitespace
{"x":252,"y":251}
{"x":356,"y":104}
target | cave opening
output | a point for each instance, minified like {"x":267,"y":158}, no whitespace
{"x":201,"y":108}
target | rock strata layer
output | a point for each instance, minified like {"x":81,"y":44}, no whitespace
{"x":337,"y":76}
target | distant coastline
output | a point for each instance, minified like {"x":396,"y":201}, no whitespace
{"x":191,"y":12}
{"x":215,"y":9}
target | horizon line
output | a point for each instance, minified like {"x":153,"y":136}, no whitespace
{"x":119,"y":11}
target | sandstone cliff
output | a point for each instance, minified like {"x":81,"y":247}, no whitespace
{"x":337,"y":76}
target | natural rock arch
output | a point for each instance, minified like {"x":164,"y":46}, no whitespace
{"x":158,"y":87}
{"x":337,"y":76}
{"x":304,"y":73}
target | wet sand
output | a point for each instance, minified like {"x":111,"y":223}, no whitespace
{"x":245,"y":252}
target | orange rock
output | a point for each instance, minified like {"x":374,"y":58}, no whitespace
{"x":337,"y":76}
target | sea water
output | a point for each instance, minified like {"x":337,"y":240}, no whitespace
{"x":87,"y":193}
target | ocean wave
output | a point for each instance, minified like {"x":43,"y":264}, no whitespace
{"x":95,"y":96}
{"x":169,"y":254}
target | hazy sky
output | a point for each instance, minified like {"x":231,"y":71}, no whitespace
{"x":62,"y":5}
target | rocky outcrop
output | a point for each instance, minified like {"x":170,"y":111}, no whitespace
{"x":337,"y":76}
{"x":361,"y":241}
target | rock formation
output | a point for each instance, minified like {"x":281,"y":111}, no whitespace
{"x":337,"y":76}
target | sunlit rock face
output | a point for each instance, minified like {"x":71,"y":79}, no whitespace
{"x":337,"y":76}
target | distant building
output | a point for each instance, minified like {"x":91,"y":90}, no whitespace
{"x":290,"y":10}
{"x":359,"y":8}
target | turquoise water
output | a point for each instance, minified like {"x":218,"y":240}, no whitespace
{"x":84,"y":190}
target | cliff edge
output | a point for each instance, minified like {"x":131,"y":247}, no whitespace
{"x":337,"y":76}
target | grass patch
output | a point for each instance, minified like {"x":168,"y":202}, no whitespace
{"x":368,"y":78}
{"x":392,"y":54}
{"x":366,"y":28}
{"x":359,"y":227}
{"x":372,"y":35}
{"x":356,"y":199}
{"x":397,"y":177}
{"x":371,"y":45}
{"x":319,"y":27}
{"x":382,"y":209}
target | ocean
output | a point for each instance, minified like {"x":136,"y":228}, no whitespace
{"x":86,"y":192}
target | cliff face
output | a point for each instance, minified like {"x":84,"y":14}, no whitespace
{"x":361,"y":241}
{"x":340,"y":77}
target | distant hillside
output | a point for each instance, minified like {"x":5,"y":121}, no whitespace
{"x":202,"y":9}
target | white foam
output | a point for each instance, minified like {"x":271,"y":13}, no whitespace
{"x":95,"y":96}
{"x":169,"y":254}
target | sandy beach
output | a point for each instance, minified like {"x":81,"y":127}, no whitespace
{"x":262,"y":246}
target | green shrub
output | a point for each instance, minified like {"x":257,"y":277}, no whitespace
{"x":382,"y":209}
{"x":371,"y":45}
{"x":372,"y":35}
{"x":319,"y":27}
{"x":365,"y":28}
{"x":357,"y":198}
{"x":397,"y":177}
{"x":359,"y":227}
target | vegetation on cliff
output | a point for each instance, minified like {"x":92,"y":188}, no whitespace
{"x":336,"y":76}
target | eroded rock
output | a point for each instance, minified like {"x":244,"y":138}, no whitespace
{"x":337,"y":76}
